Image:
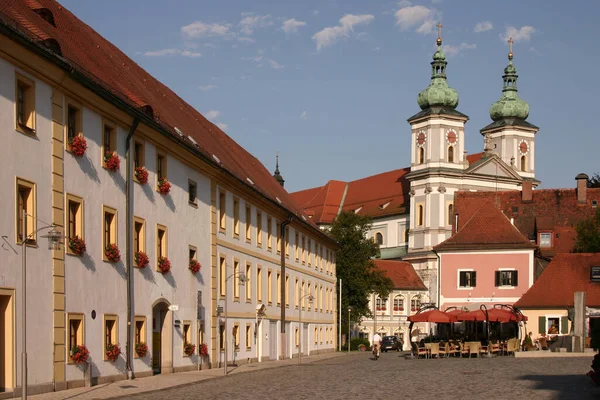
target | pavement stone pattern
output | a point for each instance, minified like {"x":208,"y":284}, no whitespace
{"x":358,"y":375}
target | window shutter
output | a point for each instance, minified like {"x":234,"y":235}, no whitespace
{"x":542,"y":324}
{"x":462,"y":278}
{"x":515,"y":278}
{"x":497,"y":278}
{"x":473,"y":279}
{"x":564,"y":325}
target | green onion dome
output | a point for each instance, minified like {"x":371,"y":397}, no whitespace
{"x":438,"y":93}
{"x":510,"y":104}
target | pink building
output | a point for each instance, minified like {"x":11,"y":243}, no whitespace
{"x":487,"y":261}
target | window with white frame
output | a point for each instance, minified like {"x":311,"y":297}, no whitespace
{"x":380,"y":304}
{"x":415,"y":303}
{"x":507,"y":278}
{"x":467,"y":279}
{"x":546,"y":239}
{"x":398,"y":304}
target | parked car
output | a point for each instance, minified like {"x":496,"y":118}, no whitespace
{"x":390,"y":343}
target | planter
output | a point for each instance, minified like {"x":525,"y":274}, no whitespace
{"x":112,"y":253}
{"x":164,"y":265}
{"x":78,"y":145}
{"x":164,"y":187}
{"x":112,"y":161}
{"x":141,"y":259}
{"x":141,"y":173}
{"x":77,"y":245}
{"x":203,"y":350}
{"x":194,"y":266}
{"x":141,"y":349}
{"x":189,"y":349}
{"x":79,"y":354}
{"x":112,"y":352}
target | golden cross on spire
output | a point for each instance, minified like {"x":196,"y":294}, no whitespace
{"x":439,"y":28}
{"x":510,"y":43}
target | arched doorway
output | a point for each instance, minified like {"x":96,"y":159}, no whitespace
{"x":162,"y":338}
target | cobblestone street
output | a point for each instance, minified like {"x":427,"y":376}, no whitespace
{"x":358,"y":376}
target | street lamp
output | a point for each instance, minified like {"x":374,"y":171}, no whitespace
{"x":349,"y":311}
{"x":54,"y":237}
{"x":310,"y":300}
{"x":243,"y":279}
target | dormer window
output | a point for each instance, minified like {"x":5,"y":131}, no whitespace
{"x":379,"y":238}
{"x":383,"y":206}
{"x":545,"y":239}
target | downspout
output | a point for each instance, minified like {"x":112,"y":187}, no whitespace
{"x":439,"y":279}
{"x":129,"y":242}
{"x":282,"y":284}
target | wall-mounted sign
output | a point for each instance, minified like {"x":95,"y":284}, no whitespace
{"x":174,"y":307}
{"x":595,"y":274}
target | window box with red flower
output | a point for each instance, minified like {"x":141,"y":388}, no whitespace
{"x":78,"y":145}
{"x":189,"y":349}
{"x":164,"y":186}
{"x":112,"y":253}
{"x":194,"y":266}
{"x":396,"y":308}
{"x":141,"y":174}
{"x":203,"y":350}
{"x":141,"y":259}
{"x":77,"y":245}
{"x":112,"y":160}
{"x":164,"y":265}
{"x":79,"y":354}
{"x":112,"y":351}
{"x":141,"y":349}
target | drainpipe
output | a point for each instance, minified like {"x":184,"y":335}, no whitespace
{"x":282,"y":288}
{"x":439,"y":277}
{"x":129,"y":241}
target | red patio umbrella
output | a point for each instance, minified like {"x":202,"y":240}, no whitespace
{"x":504,"y":315}
{"x":475,"y":315}
{"x":456,"y":312}
{"x":433,"y":316}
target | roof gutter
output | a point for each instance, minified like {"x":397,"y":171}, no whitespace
{"x":110,"y":97}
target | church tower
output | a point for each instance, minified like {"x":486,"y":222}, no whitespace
{"x":510,"y":136}
{"x":437,"y":157}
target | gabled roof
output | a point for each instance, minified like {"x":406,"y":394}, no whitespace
{"x":492,"y":164}
{"x":550,"y":210}
{"x":488,"y":228}
{"x":565,"y":275}
{"x":401,"y":273}
{"x":101,"y":66}
{"x":376,"y":196}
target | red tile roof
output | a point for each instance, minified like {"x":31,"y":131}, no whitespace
{"x":377,"y":195}
{"x":555,"y":210}
{"x":402,"y":274}
{"x":107,"y":67}
{"x":488,"y":228}
{"x":565,"y":275}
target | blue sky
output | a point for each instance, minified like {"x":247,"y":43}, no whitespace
{"x":329,"y":84}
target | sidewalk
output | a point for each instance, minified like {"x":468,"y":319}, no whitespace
{"x":158,"y":382}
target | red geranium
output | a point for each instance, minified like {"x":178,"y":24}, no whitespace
{"x":112,"y":160}
{"x":141,"y":259}
{"x":164,"y":187}
{"x":164,"y":265}
{"x":189,"y":349}
{"x":203,"y":349}
{"x":79,"y":354}
{"x":112,"y":253}
{"x":141,"y":174}
{"x":141,"y":349}
{"x":78,"y":145}
{"x":194,"y":266}
{"x":112,"y":351}
{"x":77,"y":245}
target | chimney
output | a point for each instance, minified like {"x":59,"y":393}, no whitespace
{"x":582,"y":180}
{"x":527,"y":191}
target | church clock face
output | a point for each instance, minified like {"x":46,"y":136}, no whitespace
{"x":421,"y":137}
{"x":523,"y":147}
{"x":451,"y":137}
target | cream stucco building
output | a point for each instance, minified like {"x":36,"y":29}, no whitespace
{"x":165,"y":188}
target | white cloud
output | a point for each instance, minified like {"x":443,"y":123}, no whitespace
{"x":245,"y":39}
{"x":421,"y":17}
{"x":452,"y":50}
{"x":172,"y":52}
{"x":522,"y":34}
{"x":199,"y":29}
{"x":292,"y":25}
{"x":332,"y":34}
{"x":251,"y":21}
{"x":304,"y":115}
{"x":274,"y":64}
{"x":212,"y":114}
{"x":222,"y":125}
{"x":483,"y":26}
{"x":206,"y":88}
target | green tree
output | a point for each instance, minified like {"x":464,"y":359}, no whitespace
{"x":594,"y":181}
{"x":588,"y":235}
{"x":355,"y":267}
